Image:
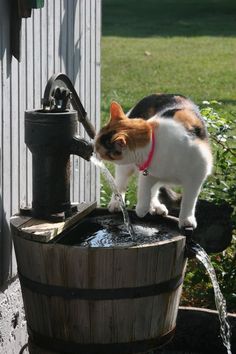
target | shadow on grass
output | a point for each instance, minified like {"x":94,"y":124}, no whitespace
{"x":227,"y":102}
{"x":139,"y":18}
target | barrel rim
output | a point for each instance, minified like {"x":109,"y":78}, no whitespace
{"x":104,"y":249}
{"x":99,"y":211}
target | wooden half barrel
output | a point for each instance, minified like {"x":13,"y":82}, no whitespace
{"x":96,"y":299}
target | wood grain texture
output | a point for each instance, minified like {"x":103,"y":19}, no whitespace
{"x":45,"y":231}
{"x":111,"y":320}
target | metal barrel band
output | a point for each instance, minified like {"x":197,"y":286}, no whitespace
{"x":101,"y":294}
{"x":61,"y":346}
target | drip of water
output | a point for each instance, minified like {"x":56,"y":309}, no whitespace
{"x":220,"y":302}
{"x":117,"y":194}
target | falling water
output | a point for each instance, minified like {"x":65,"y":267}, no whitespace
{"x":201,"y":255}
{"x":117,"y":194}
{"x":225,"y":330}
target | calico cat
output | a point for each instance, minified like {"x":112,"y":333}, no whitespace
{"x":165,"y":138}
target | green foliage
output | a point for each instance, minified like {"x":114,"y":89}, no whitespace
{"x":197,"y":289}
{"x":220,"y":187}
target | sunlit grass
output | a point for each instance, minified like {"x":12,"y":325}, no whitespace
{"x":186,"y":47}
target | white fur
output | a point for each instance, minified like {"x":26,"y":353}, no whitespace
{"x":178,"y":159}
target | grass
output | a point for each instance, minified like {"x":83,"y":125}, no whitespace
{"x":174,"y":46}
{"x":186,"y":47}
{"x":168,"y":18}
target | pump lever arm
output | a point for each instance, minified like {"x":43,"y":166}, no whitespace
{"x":61,"y":80}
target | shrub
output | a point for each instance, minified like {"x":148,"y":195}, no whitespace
{"x":219,"y":187}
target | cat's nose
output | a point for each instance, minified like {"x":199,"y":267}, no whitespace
{"x":96,"y":151}
{"x":98,"y":155}
{"x":96,"y":144}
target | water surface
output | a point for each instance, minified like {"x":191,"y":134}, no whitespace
{"x":109,"y":231}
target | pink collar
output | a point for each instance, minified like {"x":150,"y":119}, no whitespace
{"x":144,"y":167}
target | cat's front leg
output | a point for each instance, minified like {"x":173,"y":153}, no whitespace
{"x":122,"y":174}
{"x":155,"y":206}
{"x":145,"y":184}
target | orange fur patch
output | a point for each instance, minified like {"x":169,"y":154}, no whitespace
{"x":189,"y":119}
{"x":136,"y":132}
{"x":116,"y":111}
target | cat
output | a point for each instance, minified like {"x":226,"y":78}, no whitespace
{"x":165,"y":138}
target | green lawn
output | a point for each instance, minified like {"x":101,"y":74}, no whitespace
{"x":174,"y":46}
{"x":186,"y":47}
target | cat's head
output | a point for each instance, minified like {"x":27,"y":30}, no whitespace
{"x":121,"y":135}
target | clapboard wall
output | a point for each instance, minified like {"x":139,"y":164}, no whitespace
{"x":64,"y":36}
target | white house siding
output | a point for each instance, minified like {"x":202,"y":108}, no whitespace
{"x":64,"y":36}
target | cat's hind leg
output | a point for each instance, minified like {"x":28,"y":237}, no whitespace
{"x":122,"y":174}
{"x":191,"y":191}
{"x":156,"y":207}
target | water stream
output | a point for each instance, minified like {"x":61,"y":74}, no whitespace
{"x":201,"y":255}
{"x":117,"y":194}
{"x":220,"y":302}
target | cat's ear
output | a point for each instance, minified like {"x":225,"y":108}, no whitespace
{"x":120,"y":142}
{"x":116,"y":111}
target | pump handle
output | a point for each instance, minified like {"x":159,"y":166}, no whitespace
{"x":62,"y":81}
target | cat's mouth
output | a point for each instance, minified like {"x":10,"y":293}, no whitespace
{"x":111,"y":157}
{"x":108,"y":157}
{"x":104,"y":155}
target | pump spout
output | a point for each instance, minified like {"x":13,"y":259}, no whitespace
{"x":82,"y":148}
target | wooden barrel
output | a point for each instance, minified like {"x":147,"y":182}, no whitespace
{"x":98,"y":300}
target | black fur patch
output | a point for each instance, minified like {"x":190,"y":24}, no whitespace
{"x":170,"y":113}
{"x":200,"y":132}
{"x":105,"y":140}
{"x":165,"y":105}
{"x":156,"y":102}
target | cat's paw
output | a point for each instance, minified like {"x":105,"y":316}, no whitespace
{"x":114,"y":206}
{"x":158,"y":208}
{"x":141,"y":210}
{"x":190,"y":221}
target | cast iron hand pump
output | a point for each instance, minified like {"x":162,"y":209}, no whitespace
{"x":50,"y":134}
